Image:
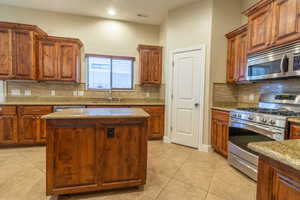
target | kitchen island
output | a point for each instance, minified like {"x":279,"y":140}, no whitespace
{"x":278,"y":170}
{"x":95,"y":149}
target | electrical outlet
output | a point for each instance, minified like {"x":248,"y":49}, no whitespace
{"x":27,"y":92}
{"x":75,"y":93}
{"x":52,"y":92}
{"x":15,"y":92}
{"x":147,"y":94}
{"x":251,"y":97}
{"x":80,"y":93}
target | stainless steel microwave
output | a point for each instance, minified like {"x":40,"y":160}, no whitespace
{"x":282,"y":62}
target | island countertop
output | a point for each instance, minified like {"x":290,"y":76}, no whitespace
{"x":286,"y":152}
{"x":98,"y":113}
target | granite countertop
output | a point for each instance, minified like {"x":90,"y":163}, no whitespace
{"x":82,"y":101}
{"x":286,"y":152}
{"x":294,"y":119}
{"x":231,"y":106}
{"x":98,"y":113}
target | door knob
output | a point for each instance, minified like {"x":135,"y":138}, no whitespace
{"x":196,"y":104}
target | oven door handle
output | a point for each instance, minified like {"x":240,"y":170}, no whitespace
{"x":256,"y":128}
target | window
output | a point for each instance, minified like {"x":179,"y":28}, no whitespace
{"x":110,"y":72}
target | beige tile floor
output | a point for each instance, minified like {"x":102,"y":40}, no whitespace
{"x":174,"y":172}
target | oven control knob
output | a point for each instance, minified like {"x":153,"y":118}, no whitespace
{"x":263,"y":120}
{"x":239,"y":115}
{"x":233,"y":115}
{"x":250,"y":118}
{"x":272,"y":122}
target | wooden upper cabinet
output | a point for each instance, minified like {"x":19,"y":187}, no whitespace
{"x":18,"y":51}
{"x":47,"y":60}
{"x":273,"y":23}
{"x":67,"y":61}
{"x":24,"y":54}
{"x":294,"y":131}
{"x":6,"y":69}
{"x":260,"y":26}
{"x":150,"y":64}
{"x":59,"y":59}
{"x":237,"y":54}
{"x":286,"y":21}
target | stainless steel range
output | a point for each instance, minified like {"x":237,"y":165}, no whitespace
{"x":267,"y":122}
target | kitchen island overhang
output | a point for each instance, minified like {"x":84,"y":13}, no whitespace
{"x":95,"y":149}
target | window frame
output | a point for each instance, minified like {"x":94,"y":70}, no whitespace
{"x":111,"y":57}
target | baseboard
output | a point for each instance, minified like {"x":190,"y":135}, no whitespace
{"x":166,"y":139}
{"x":205,"y":148}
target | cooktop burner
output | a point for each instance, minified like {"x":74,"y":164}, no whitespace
{"x":281,"y":112}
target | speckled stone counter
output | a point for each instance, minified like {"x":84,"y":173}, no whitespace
{"x":286,"y":152}
{"x":98,"y":113}
{"x":231,"y":106}
{"x":294,"y":119}
{"x":82,"y":101}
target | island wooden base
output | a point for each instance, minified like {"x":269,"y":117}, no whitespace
{"x":87,"y":155}
{"x":277,"y":181}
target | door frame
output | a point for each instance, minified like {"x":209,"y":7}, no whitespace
{"x":169,"y":91}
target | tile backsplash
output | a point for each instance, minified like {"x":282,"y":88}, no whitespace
{"x":250,"y":93}
{"x":51,"y":89}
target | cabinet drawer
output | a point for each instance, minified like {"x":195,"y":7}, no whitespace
{"x":8,"y":110}
{"x":294,"y":131}
{"x":35,"y":110}
{"x":220,"y":115}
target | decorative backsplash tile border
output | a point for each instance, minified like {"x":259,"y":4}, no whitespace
{"x":250,"y":92}
{"x":53,"y":89}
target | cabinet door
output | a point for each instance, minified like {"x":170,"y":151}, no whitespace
{"x":232,"y":61}
{"x":8,"y":129}
{"x":66,"y":61}
{"x":260,"y":29}
{"x":41,"y":131}
{"x":6,"y":68}
{"x":145,"y":56}
{"x":23,"y":54}
{"x":214,"y":134}
{"x":285,"y":187}
{"x":155,"y":67}
{"x":123,"y":154}
{"x":242,"y":56}
{"x":286,"y":21}
{"x":156,"y":122}
{"x":28,"y":129}
{"x":223,"y":144}
{"x":72,"y":151}
{"x":48,"y":60}
{"x":294,"y":131}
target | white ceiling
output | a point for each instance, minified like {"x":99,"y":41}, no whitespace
{"x":127,"y":10}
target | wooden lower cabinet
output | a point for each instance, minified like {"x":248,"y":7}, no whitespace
{"x":156,"y":121}
{"x":277,"y":181}
{"x":85,"y":155}
{"x":294,"y":131}
{"x":31,"y":125}
{"x":8,"y":125}
{"x":219,"y":131}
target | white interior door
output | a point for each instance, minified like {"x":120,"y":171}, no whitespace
{"x":186,"y":98}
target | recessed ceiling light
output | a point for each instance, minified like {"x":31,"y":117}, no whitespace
{"x":111,"y":12}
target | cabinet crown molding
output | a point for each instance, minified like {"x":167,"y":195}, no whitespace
{"x":19,"y":26}
{"x":256,"y":7}
{"x":237,"y":31}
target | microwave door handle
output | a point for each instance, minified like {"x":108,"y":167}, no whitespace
{"x":284,"y":65}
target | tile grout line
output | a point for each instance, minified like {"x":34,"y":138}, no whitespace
{"x":171,"y":178}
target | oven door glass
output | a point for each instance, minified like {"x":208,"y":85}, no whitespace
{"x":296,"y":63}
{"x":264,"y":69}
{"x":242,"y":137}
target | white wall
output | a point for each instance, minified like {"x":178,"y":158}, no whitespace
{"x":100,"y":36}
{"x":245,"y":5}
{"x":185,"y":27}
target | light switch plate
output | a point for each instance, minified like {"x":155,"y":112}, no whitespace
{"x":52,"y":93}
{"x":27,"y":92}
{"x":15,"y":92}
